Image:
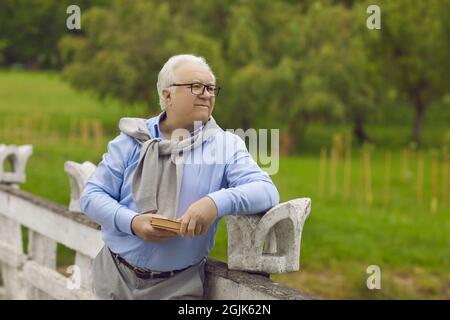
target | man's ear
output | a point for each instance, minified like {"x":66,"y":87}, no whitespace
{"x":167,"y":96}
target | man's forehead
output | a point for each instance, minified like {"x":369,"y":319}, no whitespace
{"x":193,"y":72}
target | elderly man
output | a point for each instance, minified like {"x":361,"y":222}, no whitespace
{"x":141,"y":175}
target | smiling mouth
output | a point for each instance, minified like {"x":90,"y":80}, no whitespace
{"x":202,"y":105}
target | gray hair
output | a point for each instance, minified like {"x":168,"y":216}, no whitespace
{"x":167,"y":74}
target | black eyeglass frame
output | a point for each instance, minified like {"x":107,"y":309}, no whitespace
{"x":216,"y":89}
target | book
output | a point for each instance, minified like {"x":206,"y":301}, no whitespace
{"x":166,"y":224}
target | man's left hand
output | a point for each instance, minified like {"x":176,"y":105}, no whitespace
{"x":198,"y":217}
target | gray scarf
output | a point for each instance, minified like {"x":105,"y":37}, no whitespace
{"x":157,"y":180}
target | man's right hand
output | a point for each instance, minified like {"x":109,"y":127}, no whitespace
{"x":143,"y":229}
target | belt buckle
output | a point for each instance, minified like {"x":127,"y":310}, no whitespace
{"x":140,"y":273}
{"x":156,"y":274}
{"x":171,"y":273}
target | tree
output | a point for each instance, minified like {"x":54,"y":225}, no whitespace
{"x":121,"y":52}
{"x":30,"y":30}
{"x":337,"y":79}
{"x":413,"y":50}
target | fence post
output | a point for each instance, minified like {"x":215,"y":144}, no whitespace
{"x":43,"y":251}
{"x":11,"y":247}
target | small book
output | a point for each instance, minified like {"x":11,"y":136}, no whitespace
{"x":166,"y":224}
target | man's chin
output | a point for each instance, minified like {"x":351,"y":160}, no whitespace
{"x":203,"y":116}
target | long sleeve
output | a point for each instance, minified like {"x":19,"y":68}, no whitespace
{"x":250,"y":189}
{"x":100,"y":197}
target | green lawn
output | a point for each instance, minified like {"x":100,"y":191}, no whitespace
{"x":341,"y":238}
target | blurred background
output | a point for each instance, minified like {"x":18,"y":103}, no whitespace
{"x":363,"y":115}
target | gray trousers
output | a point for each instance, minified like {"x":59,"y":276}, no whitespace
{"x":115,"y":281}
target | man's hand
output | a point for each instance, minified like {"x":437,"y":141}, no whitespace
{"x":198,"y":217}
{"x":143,"y":229}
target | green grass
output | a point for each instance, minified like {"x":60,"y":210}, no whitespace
{"x":341,"y":238}
{"x":37,"y":95}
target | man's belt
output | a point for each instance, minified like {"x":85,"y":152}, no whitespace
{"x":145,"y":273}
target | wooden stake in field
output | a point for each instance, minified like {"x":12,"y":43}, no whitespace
{"x":405,"y":164}
{"x":387,"y":178}
{"x":338,"y":145}
{"x":37,"y":119}
{"x":434,"y":185}
{"x":419,"y":185}
{"x":14,"y":126}
{"x":98,"y":135}
{"x":333,"y":169}
{"x":84,"y":131}
{"x":347,"y":166}
{"x":361,"y":177}
{"x":368,"y":176}
{"x":6,"y":132}
{"x":27,"y":124}
{"x":322,"y":171}
{"x":445,"y":175}
{"x":73,"y":130}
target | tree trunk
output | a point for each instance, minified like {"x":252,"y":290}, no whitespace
{"x":418,"y":120}
{"x":289,"y":139}
{"x":359,"y":130}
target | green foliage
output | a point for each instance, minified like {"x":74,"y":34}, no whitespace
{"x":412,"y":51}
{"x":121,"y":53}
{"x":279,"y":67}
{"x":31,"y":29}
{"x":283,"y":64}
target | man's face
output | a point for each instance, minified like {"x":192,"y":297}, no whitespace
{"x":184,"y":105}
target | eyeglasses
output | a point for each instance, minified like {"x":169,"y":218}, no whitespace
{"x":199,"y":88}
